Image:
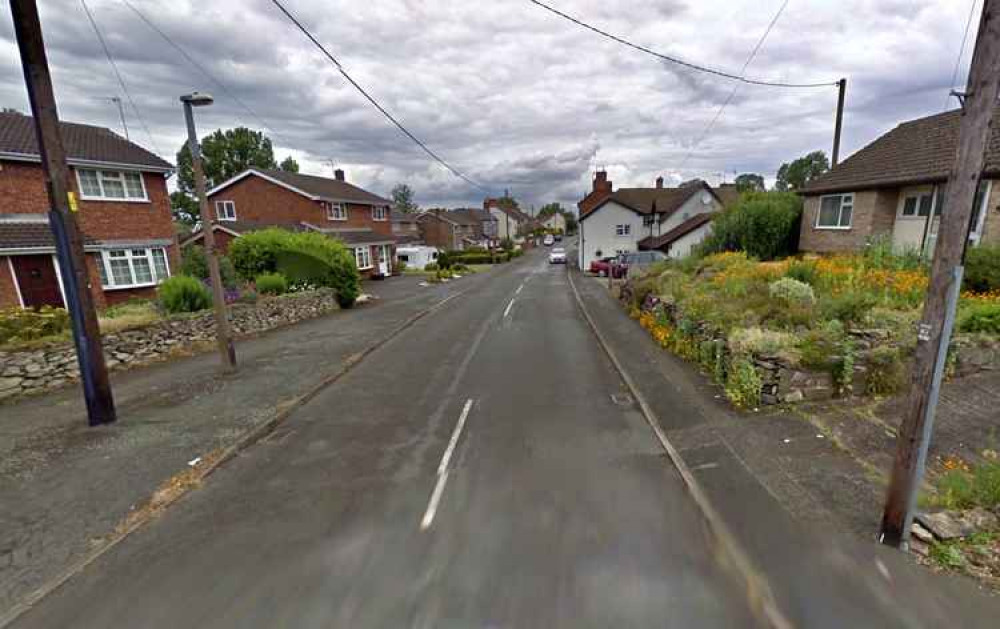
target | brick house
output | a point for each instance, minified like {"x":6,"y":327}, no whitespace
{"x":455,"y":230}
{"x":124,"y":214}
{"x":894,"y":188}
{"x":256,"y":199}
{"x":405,"y":227}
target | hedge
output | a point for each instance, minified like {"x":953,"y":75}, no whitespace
{"x":763,"y":224}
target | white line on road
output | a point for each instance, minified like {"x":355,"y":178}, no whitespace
{"x":509,"y":306}
{"x":519,"y":288}
{"x":442,"y":470}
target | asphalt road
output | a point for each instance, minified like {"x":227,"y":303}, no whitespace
{"x":485,"y":469}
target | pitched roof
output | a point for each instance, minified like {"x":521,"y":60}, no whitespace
{"x":83,"y":143}
{"x":310,"y":186}
{"x":360,"y":237}
{"x":403,"y":217}
{"x":917,"y":151}
{"x":470,"y":216}
{"x":685,"y":228}
{"x":643,"y":200}
{"x":29,"y":231}
{"x":727,"y":193}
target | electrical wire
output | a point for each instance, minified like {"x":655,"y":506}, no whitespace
{"x":121,"y":81}
{"x":746,"y":64}
{"x":676,"y":60}
{"x":260,"y":120}
{"x":375,"y":103}
{"x":961,"y":52}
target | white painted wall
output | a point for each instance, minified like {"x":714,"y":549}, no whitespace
{"x":598,"y":233}
{"x":695,"y":205}
{"x":681,"y":248}
{"x":556,"y":221}
{"x":506,"y":225}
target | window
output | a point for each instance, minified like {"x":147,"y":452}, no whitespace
{"x":835,"y":212}
{"x":379,"y":212}
{"x":623,"y":230}
{"x":225,"y":210}
{"x":112,"y":185}
{"x":363,"y":256}
{"x":917,"y":205}
{"x":129,"y":268}
{"x":336,"y":212}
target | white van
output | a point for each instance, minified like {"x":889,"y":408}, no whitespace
{"x":417,"y":256}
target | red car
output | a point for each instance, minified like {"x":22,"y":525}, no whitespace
{"x":602,"y":267}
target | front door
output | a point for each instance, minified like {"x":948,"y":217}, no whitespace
{"x":37,"y":281}
{"x":384,"y":260}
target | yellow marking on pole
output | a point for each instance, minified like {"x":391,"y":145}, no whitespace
{"x":73,"y":207}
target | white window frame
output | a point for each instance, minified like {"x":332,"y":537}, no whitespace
{"x":220,"y":210}
{"x":623,"y":230}
{"x":917,"y":194}
{"x":336,"y":212}
{"x":380,"y":213}
{"x":100,"y":182}
{"x":840,"y":212}
{"x":105,"y":262}
{"x":363,"y":255}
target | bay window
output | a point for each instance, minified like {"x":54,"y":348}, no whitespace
{"x":111,"y":185}
{"x":132,"y":268}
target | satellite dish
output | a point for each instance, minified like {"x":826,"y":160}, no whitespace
{"x":706,"y":198}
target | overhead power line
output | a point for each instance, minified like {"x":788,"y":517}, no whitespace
{"x":375,"y":103}
{"x":222,"y":86}
{"x":746,"y":64}
{"x":114,"y":67}
{"x":961,"y":52}
{"x":676,"y":60}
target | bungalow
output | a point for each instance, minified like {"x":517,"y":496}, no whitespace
{"x":123,"y":212}
{"x":894,"y":188}
{"x":257,"y":198}
{"x":630,"y":219}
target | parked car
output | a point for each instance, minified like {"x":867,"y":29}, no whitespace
{"x":548,"y":240}
{"x":559,"y":237}
{"x":631,"y":263}
{"x":602,"y":267}
{"x":557,"y":256}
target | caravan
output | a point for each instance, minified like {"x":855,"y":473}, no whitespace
{"x":417,"y":256}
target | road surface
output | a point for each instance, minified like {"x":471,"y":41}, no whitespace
{"x":485,"y":469}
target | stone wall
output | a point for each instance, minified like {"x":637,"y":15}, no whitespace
{"x":49,"y":367}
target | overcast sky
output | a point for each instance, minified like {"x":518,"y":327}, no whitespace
{"x":513,"y":96}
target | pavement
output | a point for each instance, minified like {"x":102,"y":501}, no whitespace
{"x":489,"y":467}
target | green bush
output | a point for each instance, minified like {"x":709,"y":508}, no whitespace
{"x":983,"y":317}
{"x":848,"y":307}
{"x":982,"y":269}
{"x":978,"y":487}
{"x":804,"y":271}
{"x":885,"y":371}
{"x":478,"y":258}
{"x":431,"y":266}
{"x":195,"y":264}
{"x":743,"y":383}
{"x":183,"y":293}
{"x":880,"y":253}
{"x":444,"y":260}
{"x":792,"y":291}
{"x":17,"y":324}
{"x":763,"y":224}
{"x":271,"y":284}
{"x":507,"y":244}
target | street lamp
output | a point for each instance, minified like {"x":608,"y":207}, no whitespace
{"x":226,"y":350}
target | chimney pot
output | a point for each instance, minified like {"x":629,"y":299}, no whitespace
{"x":338,"y":175}
{"x":659,"y":182}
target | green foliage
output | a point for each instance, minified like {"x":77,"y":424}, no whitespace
{"x":947,"y":555}
{"x":982,"y":269}
{"x":760,"y":342}
{"x":804,"y":271}
{"x":431,"y":266}
{"x":750,"y":182}
{"x":983,"y":317}
{"x":445,"y":260}
{"x":978,"y":487}
{"x":18,"y":325}
{"x":763,"y":224}
{"x":743,"y":383}
{"x":795,"y":175}
{"x":549,"y":209}
{"x":885,"y":370}
{"x":225,"y":154}
{"x":848,"y":307}
{"x":184,"y":207}
{"x":792,"y":291}
{"x":289,"y":165}
{"x":195,"y":264}
{"x":879,"y":253}
{"x":183,"y":293}
{"x":819,"y":347}
{"x":402,"y":199}
{"x":507,"y":244}
{"x":271,"y":284}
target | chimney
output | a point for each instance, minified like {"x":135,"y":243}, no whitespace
{"x":659,"y":182}
{"x":338,"y":175}
{"x":601,"y":183}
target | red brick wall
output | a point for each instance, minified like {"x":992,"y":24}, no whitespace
{"x":8,"y":292}
{"x":437,"y":233}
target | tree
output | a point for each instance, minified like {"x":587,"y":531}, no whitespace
{"x":402,"y":199}
{"x":549,"y":209}
{"x":571,"y":222}
{"x":797,"y":174}
{"x":184,"y":207}
{"x":289,"y":165}
{"x":508,"y":202}
{"x":226,"y":154}
{"x":763,"y":224}
{"x":750,"y":182}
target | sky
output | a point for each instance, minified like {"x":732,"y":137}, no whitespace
{"x":511,"y":95}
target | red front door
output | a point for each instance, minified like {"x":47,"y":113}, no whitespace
{"x":37,"y":281}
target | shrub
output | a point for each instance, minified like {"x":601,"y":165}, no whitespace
{"x":792,"y":291}
{"x":183,"y":293}
{"x":879,"y":253}
{"x":885,"y":371}
{"x":477,"y":258}
{"x":195,"y":264}
{"x":743,"y":383}
{"x":760,"y":342}
{"x":977,"y":487}
{"x":444,"y":260}
{"x":763,"y":224}
{"x":18,"y":324}
{"x":271,"y":284}
{"x":818,"y":348}
{"x":431,"y":266}
{"x":804,"y":271}
{"x":982,"y":269}
{"x":983,"y":317}
{"x":507,"y":244}
{"x":848,"y":307}
{"x":256,"y":253}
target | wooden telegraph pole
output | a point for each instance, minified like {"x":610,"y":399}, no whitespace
{"x":62,"y":214}
{"x":839,"y":124}
{"x":935,"y":327}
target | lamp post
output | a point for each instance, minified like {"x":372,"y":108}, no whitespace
{"x":226,"y":350}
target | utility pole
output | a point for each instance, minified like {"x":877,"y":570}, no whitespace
{"x":62,"y":215}
{"x":838,"y":126}
{"x":935,"y":327}
{"x":223,"y":336}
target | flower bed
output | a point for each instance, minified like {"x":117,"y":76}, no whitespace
{"x":799,"y":329}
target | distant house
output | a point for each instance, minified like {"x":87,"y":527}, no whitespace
{"x":123,"y":212}
{"x":555,"y":221}
{"x":405,"y":227}
{"x":456,"y":229}
{"x":629,"y":219}
{"x":256,"y":199}
{"x":894,"y":188}
{"x":511,"y":222}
